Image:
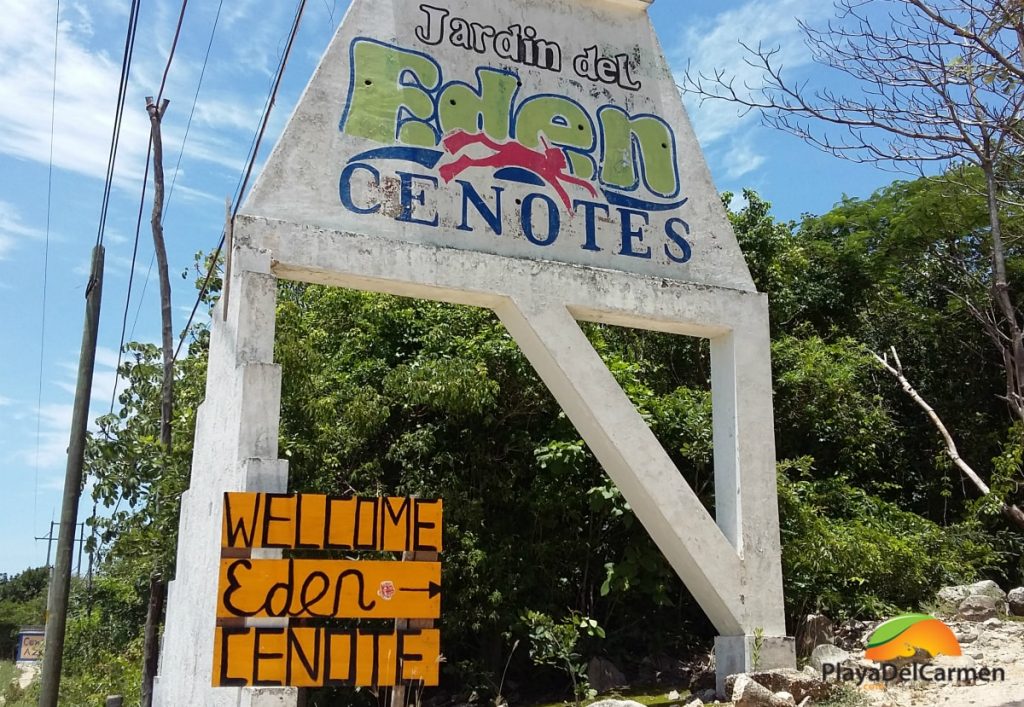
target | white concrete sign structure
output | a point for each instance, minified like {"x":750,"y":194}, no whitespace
{"x":532,"y":157}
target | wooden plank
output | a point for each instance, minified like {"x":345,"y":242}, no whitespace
{"x":315,"y":522}
{"x":399,"y":693}
{"x":323,"y":657}
{"x":325,"y":589}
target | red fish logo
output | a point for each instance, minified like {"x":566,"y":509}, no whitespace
{"x":548,"y":163}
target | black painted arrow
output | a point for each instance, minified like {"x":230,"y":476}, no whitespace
{"x":433,"y":589}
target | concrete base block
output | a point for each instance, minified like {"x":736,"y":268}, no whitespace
{"x":745,"y":654}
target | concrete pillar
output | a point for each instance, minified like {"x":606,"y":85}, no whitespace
{"x":235,"y":450}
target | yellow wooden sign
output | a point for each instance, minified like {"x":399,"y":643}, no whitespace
{"x":312,"y":592}
{"x":312,"y":522}
{"x":326,"y":589}
{"x":324,"y":657}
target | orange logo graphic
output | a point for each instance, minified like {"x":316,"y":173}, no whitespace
{"x":903,"y":636}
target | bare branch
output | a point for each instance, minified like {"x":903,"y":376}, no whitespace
{"x":954,"y":454}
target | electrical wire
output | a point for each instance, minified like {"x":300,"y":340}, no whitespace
{"x":254,"y":153}
{"x":46,"y":262}
{"x":192,"y":112}
{"x":177,"y":167}
{"x":126,"y":66}
{"x":131,"y":275}
{"x":142,"y":203}
{"x":170,"y":54}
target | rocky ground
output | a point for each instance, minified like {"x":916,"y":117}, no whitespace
{"x":995,"y":643}
{"x":988,"y":623}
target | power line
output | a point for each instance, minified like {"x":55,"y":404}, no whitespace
{"x":131,"y":274}
{"x":46,"y":261}
{"x":244,"y":182}
{"x":191,"y":115}
{"x":126,"y":66}
{"x":177,"y":167}
{"x":142,"y":203}
{"x":170,"y":55}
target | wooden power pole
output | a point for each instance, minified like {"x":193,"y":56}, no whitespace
{"x":60,"y":585}
{"x":155,"y":609}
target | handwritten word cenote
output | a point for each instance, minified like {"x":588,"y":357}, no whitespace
{"x":304,"y":521}
{"x":324,"y":657}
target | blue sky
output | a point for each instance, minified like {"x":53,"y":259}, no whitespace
{"x":248,"y":42}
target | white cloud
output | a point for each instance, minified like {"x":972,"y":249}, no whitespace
{"x":12,"y":229}
{"x":741,"y":158}
{"x":86,"y":94}
{"x":54,"y":432}
{"x":54,"y":419}
{"x":87,"y":83}
{"x":4,"y":401}
{"x":715,"y":45}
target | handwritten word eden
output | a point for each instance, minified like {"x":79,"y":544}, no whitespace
{"x":328,"y":589}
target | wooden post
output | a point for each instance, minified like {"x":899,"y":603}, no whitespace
{"x":60,"y":583}
{"x":400,"y":692}
{"x":151,"y":644}
{"x":151,"y":649}
{"x":229,"y":242}
{"x":156,"y":115}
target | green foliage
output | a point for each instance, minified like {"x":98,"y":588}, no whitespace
{"x":98,"y":661}
{"x":846,"y":553}
{"x":554,"y":644}
{"x":388,"y":395}
{"x":22,"y":604}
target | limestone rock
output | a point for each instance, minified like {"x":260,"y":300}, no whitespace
{"x":967,"y":634}
{"x":850,"y":635}
{"x":616,"y":703}
{"x":980,"y":607}
{"x":603,"y":675}
{"x":747,"y":692}
{"x":951,"y":597}
{"x":955,"y":661}
{"x":987,"y":588}
{"x":708,"y":695}
{"x":799,"y":684}
{"x":786,"y":697}
{"x":1016,"y":598}
{"x":814,"y":630}
{"x":695,"y":702}
{"x":827,"y":654}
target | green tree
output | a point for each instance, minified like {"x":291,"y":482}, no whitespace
{"x":22,"y":604}
{"x":934,"y":83}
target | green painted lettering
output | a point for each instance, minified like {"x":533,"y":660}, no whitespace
{"x":631,"y":144}
{"x":487,"y":108}
{"x":384,"y":104}
{"x":564,"y":123}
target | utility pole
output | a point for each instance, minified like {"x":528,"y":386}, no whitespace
{"x":60,"y":585}
{"x":155,"y":609}
{"x":49,"y":542}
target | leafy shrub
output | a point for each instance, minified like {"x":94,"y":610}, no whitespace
{"x":848,"y":553}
